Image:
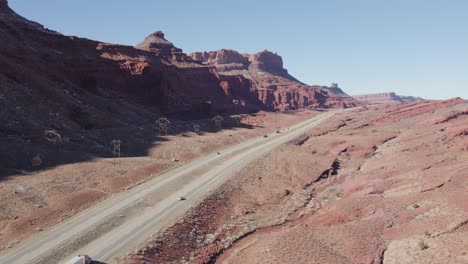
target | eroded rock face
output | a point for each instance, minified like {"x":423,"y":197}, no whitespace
{"x":385,"y":98}
{"x":155,"y":42}
{"x":165,"y":50}
{"x":223,"y":56}
{"x":276,"y":88}
{"x":98,"y":85}
{"x":3,"y":4}
{"x":155,"y":74}
{"x":268,"y":61}
{"x":302,"y":96}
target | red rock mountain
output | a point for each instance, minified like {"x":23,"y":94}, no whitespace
{"x":385,"y":98}
{"x":51,"y":80}
{"x":155,"y":74}
{"x":277,"y":89}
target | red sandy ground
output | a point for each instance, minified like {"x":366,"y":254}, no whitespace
{"x":381,"y":184}
{"x":34,"y":202}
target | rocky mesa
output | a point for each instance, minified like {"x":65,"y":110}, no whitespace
{"x":386,"y":98}
{"x":80,"y":87}
{"x":277,"y":89}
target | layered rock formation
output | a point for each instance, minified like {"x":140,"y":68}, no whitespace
{"x":155,"y":74}
{"x":276,"y":88}
{"x":83,"y":84}
{"x":88,"y":90}
{"x":164,"y":49}
{"x":385,"y":98}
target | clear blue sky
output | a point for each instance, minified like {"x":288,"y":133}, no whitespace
{"x":412,"y":47}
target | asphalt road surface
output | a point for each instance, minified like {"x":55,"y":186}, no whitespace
{"x":121,"y":223}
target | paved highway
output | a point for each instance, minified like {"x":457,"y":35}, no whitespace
{"x":113,"y":227}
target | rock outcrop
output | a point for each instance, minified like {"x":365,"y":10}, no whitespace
{"x":385,"y":98}
{"x":91,"y":91}
{"x":3,"y":4}
{"x":275,"y":87}
{"x":165,"y":50}
{"x":268,"y":62}
{"x":91,"y":84}
{"x":156,"y":42}
{"x":220,"y":57}
{"x":155,"y":74}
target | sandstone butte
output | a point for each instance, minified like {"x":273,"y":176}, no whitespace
{"x":385,"y":98}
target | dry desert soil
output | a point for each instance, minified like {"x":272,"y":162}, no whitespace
{"x":377,"y":184}
{"x":33,"y":201}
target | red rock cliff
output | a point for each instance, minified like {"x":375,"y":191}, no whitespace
{"x":89,"y":84}
{"x":153,"y":74}
{"x":276,"y":88}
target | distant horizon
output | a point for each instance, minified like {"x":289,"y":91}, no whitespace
{"x":412,"y":49}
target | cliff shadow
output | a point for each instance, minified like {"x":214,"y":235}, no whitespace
{"x":33,"y":151}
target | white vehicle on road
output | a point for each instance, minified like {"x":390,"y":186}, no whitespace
{"x":80,"y":259}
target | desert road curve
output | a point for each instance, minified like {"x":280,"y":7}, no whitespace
{"x":124,"y":221}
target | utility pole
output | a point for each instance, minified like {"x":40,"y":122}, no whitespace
{"x":53,"y":136}
{"x":218,"y":121}
{"x":163,"y":125}
{"x":196,"y":129}
{"x":237,"y":103}
{"x":116,"y":149}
